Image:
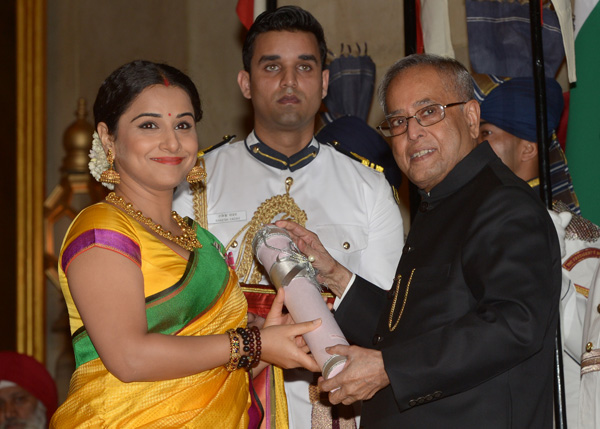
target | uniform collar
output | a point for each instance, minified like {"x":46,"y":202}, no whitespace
{"x":466,"y":169}
{"x":271,"y":157}
{"x":534,"y":183}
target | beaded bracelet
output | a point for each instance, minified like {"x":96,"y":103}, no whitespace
{"x":258,"y":342}
{"x":248,"y":342}
{"x":252,"y":348}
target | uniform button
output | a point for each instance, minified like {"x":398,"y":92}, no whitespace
{"x":226,"y":137}
{"x":346,"y":245}
{"x":289,"y":181}
{"x":335,"y":142}
{"x":589,"y":347}
{"x":412,"y":403}
{"x":234,"y":244}
{"x":598,"y":308}
{"x":377,"y":339}
{"x":429,"y":398}
{"x":437,"y":394}
{"x":421,"y":401}
{"x":255,"y":149}
{"x":423,"y":206}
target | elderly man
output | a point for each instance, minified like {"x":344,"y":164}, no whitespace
{"x":465,"y":337}
{"x":28,"y":395}
{"x":509,"y":126}
{"x":281,"y":170}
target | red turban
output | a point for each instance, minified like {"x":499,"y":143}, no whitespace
{"x":31,"y":376}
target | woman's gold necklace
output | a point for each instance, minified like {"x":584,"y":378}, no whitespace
{"x":187,"y":239}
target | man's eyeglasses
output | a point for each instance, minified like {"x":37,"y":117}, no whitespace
{"x":393,"y":126}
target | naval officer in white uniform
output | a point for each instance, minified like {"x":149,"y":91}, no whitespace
{"x":281,"y":170}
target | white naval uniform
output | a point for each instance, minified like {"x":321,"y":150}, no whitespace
{"x":349,"y":206}
{"x":589,"y":399}
{"x":579,"y":263}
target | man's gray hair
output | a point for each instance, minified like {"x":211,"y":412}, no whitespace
{"x":452,"y":71}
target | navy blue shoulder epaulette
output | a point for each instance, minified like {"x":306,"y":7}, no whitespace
{"x":364,"y":161}
{"x":226,"y":139}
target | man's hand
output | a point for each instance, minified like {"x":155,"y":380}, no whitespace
{"x":329,"y":272}
{"x":363,"y":375}
{"x":561,"y":221}
{"x":255,"y":320}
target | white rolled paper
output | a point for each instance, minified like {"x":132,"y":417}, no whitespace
{"x":290,"y":269}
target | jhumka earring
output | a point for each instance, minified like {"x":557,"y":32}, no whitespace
{"x":110,"y":175}
{"x":196,"y":175}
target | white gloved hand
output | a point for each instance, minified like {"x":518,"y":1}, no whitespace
{"x":561,"y":221}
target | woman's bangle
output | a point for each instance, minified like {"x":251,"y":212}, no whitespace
{"x":234,"y":350}
{"x":246,"y":340}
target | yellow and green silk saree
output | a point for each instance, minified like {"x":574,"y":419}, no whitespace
{"x":199,"y":296}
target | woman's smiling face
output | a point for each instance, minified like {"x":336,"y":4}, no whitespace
{"x":156,"y":143}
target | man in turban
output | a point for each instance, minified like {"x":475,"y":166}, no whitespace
{"x":509,"y":125}
{"x":28,"y":395}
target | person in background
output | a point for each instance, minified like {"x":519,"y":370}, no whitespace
{"x":28,"y":396}
{"x":508,"y":118}
{"x":465,"y":337}
{"x":281,"y":170}
{"x":589,"y":399}
{"x":157,"y":317}
{"x":508,"y":124}
{"x":354,"y":136}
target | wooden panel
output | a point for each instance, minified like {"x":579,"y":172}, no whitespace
{"x":31,"y":122}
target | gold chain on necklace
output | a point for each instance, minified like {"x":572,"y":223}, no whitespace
{"x":397,"y":286}
{"x":187,"y":239}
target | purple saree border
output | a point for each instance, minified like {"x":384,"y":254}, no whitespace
{"x":254,"y":411}
{"x":104,"y":238}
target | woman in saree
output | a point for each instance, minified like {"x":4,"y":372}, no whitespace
{"x":158,"y":321}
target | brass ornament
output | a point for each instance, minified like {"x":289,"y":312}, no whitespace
{"x":196,"y":175}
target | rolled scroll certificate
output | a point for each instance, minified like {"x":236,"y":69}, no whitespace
{"x":290,"y":269}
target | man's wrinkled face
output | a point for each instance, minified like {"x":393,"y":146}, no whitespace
{"x":427,"y":154}
{"x":19,"y":409}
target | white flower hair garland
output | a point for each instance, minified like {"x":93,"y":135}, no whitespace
{"x":98,"y":162}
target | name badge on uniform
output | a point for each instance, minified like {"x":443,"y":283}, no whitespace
{"x":227,"y":217}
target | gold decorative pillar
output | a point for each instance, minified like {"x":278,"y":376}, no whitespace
{"x":76,"y":181}
{"x":31,"y":136}
{"x":76,"y":190}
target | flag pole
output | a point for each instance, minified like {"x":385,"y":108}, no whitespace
{"x":535,"y":17}
{"x":410,"y":47}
